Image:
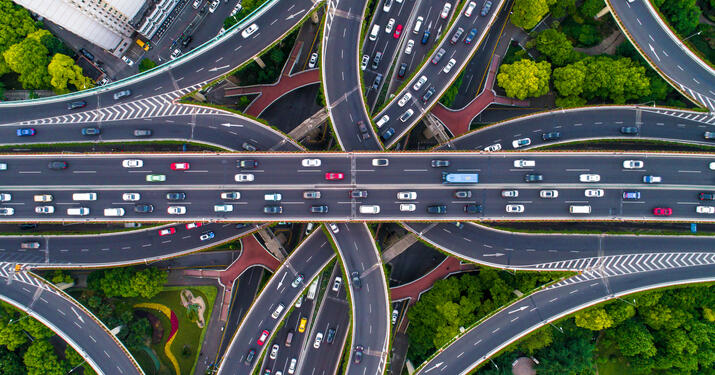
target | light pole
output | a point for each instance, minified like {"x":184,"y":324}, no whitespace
{"x":698,"y":33}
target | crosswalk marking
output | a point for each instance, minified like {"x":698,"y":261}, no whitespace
{"x":7,"y":271}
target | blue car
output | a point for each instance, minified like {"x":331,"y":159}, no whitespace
{"x":425,"y":37}
{"x":631,"y":195}
{"x":470,"y":36}
{"x":388,"y":134}
{"x":485,"y":9}
{"x":206,"y":236}
{"x":25,"y":132}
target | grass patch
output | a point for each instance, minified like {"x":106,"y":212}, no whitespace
{"x":274,"y":59}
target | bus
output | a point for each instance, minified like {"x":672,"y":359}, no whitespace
{"x":313,"y":288}
{"x":460,"y":178}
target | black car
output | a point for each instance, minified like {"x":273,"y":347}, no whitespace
{"x":250,"y":356}
{"x":57,"y":164}
{"x":176,"y":196}
{"x":402,"y":71}
{"x":550,"y":136}
{"x":364,"y":133}
{"x":28,"y":226}
{"x":358,"y":193}
{"x":323,"y":209}
{"x":330,"y":336}
{"x":143,"y":208}
{"x":142,"y":132}
{"x":357,"y":354}
{"x":706,"y":196}
{"x":186,"y":41}
{"x":376,"y":59}
{"x":86,"y":54}
{"x":533,"y":177}
{"x":247,"y":164}
{"x":473,"y":208}
{"x":355,"y":277}
{"x":629,"y":130}
{"x":272,"y":209}
{"x":437,"y":209}
{"x":77,"y":104}
{"x":463,"y":194}
{"x":91,"y":131}
{"x":428,"y":94}
{"x":440,"y":163}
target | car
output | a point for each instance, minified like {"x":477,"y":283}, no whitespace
{"x":176,"y":210}
{"x":649,"y":179}
{"x":43,"y":198}
{"x":629,"y":130}
{"x":364,"y":132}
{"x":298,"y":279}
{"x":426,"y":97}
{"x":524,"y":163}
{"x":231,"y":195}
{"x":438,"y":163}
{"x":131,"y":197}
{"x":86,"y":54}
{"x":3,"y":166}
{"x":395,"y":315}
{"x":406,"y":195}
{"x":179,"y":166}
{"x":376,"y":59}
{"x":593,"y":193}
{"x":91,"y":131}
{"x":705,"y":209}
{"x":143,"y":208}
{"x":132,"y":163}
{"x":274,"y":351}
{"x":331,"y":176}
{"x":486,"y":7}
{"x":493,"y":148}
{"x":470,"y":8}
{"x":30,"y":245}
{"x":355,"y":278}
{"x":248,"y":147}
{"x":457,"y":34}
{"x":155,"y":178}
{"x":706,"y":196}
{"x":550,"y":136}
{"x":5,"y":197}
{"x":7,"y":211}
{"x":223,"y":208}
{"x":166,"y":231}
{"x":406,"y":116}
{"x":336,"y":283}
{"x":409,"y":46}
{"x":376,"y":82}
{"x":589,"y":177}
{"x":330,"y":336}
{"x":404,"y":99}
{"x":206,"y":236}
{"x":401,"y":72}
{"x":127,"y":61}
{"x":357,"y":354}
{"x":514,"y":208}
{"x":44,"y":209}
{"x":629,"y":195}
{"x":549,"y":194}
{"x":380,"y":162}
{"x":250,"y":356}
{"x":437,"y":209}
{"x":193,"y":225}
{"x":249,"y":31}
{"x":438,"y":56}
{"x":463,"y":194}
{"x":390,"y":25}
{"x":334,"y":227}
{"x":244,"y":177}
{"x":398,"y":31}
{"x":363,"y":63}
{"x":448,"y":67}
{"x":272,"y":209}
{"x":662,"y":211}
{"x":247,"y":164}
{"x":310,"y":162}
{"x":358,"y":194}
{"x":186,"y":41}
{"x":472,"y":33}
{"x":709,"y":135}
{"x":419,"y":83}
{"x":473,"y":208}
{"x":263,"y":337}
{"x":533,"y":177}
{"x":291,"y":366}
{"x":320,"y":209}
{"x":509,"y":193}
{"x":382,"y":121}
{"x":142,"y":132}
{"x":445,"y":10}
{"x":313,"y":60}
{"x":521,"y":142}
{"x":121,"y":94}
{"x":407,"y":207}
{"x":57,"y":165}
{"x":25,"y":132}
{"x":176,"y":196}
{"x":386,"y":6}
{"x":196,"y":4}
{"x":76,"y":105}
{"x":632,"y":164}
{"x":311,"y":194}
{"x":318,"y":340}
{"x":301,"y":324}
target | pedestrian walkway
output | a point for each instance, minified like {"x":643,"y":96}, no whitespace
{"x":269,"y":93}
{"x":252,"y":254}
{"x":414,"y":289}
{"x":458,"y":120}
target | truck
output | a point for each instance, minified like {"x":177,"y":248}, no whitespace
{"x":313,"y":288}
{"x":460,"y":178}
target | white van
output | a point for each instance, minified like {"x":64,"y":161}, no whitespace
{"x":418,"y":25}
{"x":372,"y":209}
{"x":576,"y":209}
{"x":114,"y":211}
{"x":278,"y":310}
{"x":373,"y":33}
{"x":84,"y":196}
{"x":78,"y":211}
{"x":273,"y":197}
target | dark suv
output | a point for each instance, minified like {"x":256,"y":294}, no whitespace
{"x":437,"y":209}
{"x":358,"y":193}
{"x":629,"y":130}
{"x":143,"y":208}
{"x":247,"y":164}
{"x":364,"y":133}
{"x":57,"y":164}
{"x":355,"y":277}
{"x":323,"y":209}
{"x":440,"y":163}
{"x":473,"y":208}
{"x":176,"y":196}
{"x":551,"y":136}
{"x":272,"y":209}
{"x":533,"y":177}
{"x":706,"y":196}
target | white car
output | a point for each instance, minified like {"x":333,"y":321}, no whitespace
{"x":386,"y":6}
{"x":249,"y":30}
{"x":380,"y":162}
{"x":197,"y":3}
{"x":509,"y":193}
{"x":310,"y":162}
{"x":214,"y":5}
{"x":7,"y":211}
{"x":44,"y":209}
{"x":43,"y":198}
{"x":3,"y":166}
{"x":334,"y":227}
{"x":524,"y":163}
{"x":336,"y":283}
{"x":127,"y":61}
{"x":132,"y":163}
{"x":445,"y":10}
{"x":176,"y":210}
{"x":408,"y":48}
{"x":515,"y":208}
{"x":131,"y":197}
{"x":492,"y":148}
{"x":318,"y":340}
{"x":5,"y":197}
{"x":407,"y":195}
{"x":313,"y":60}
{"x":231,"y":195}
{"x":449,"y":65}
{"x":175,"y":54}
{"x":390,"y":25}
{"x":407,"y":207}
{"x":244,"y":177}
{"x":705,"y":209}
{"x":223,"y":207}
{"x":593,"y":193}
{"x":549,"y":194}
{"x":632,"y":164}
{"x":712,"y":165}
{"x":363,"y":63}
{"x":587,"y":177}
{"x":518,"y":143}
{"x":470,"y":8}
{"x":274,"y":351}
{"x":404,"y":99}
{"x":419,"y":83}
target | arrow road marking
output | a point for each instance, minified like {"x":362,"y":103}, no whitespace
{"x":494,"y":255}
{"x":218,"y":68}
{"x":519,"y":309}
{"x":653,"y":50}
{"x":281,"y":282}
{"x":294,"y":15}
{"x":75,"y":312}
{"x":228,"y":125}
{"x":434,"y":367}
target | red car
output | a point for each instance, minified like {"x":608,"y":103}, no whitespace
{"x":179,"y":166}
{"x":398,"y":32}
{"x":662,"y":211}
{"x":193,"y":225}
{"x":264,"y":336}
{"x":167,"y":231}
{"x":334,"y":176}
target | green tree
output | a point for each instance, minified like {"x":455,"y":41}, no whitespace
{"x":54,"y":45}
{"x":594,"y":319}
{"x":571,"y":353}
{"x":590,"y":8}
{"x":64,"y":71}
{"x":682,"y":14}
{"x":555,"y":46}
{"x":146,"y":64}
{"x":633,"y":338}
{"x":562,"y":8}
{"x":540,"y":339}
{"x":15,"y":25}
{"x":11,"y":334}
{"x":40,"y":359}
{"x":60,"y":276}
{"x":35,"y":329}
{"x":138,"y":331}
{"x":128,"y":282}
{"x":29,"y":59}
{"x":569,"y":80}
{"x":525,"y":78}
{"x":11,"y":363}
{"x":527,"y":13}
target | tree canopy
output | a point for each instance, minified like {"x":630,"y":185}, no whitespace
{"x":15,"y":25}
{"x":527,"y":13}
{"x":64,"y":71}
{"x":525,"y":78}
{"x":29,"y":59}
{"x":128,"y":282}
{"x":556,"y":46}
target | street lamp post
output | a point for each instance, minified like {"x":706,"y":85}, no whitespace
{"x":698,"y":33}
